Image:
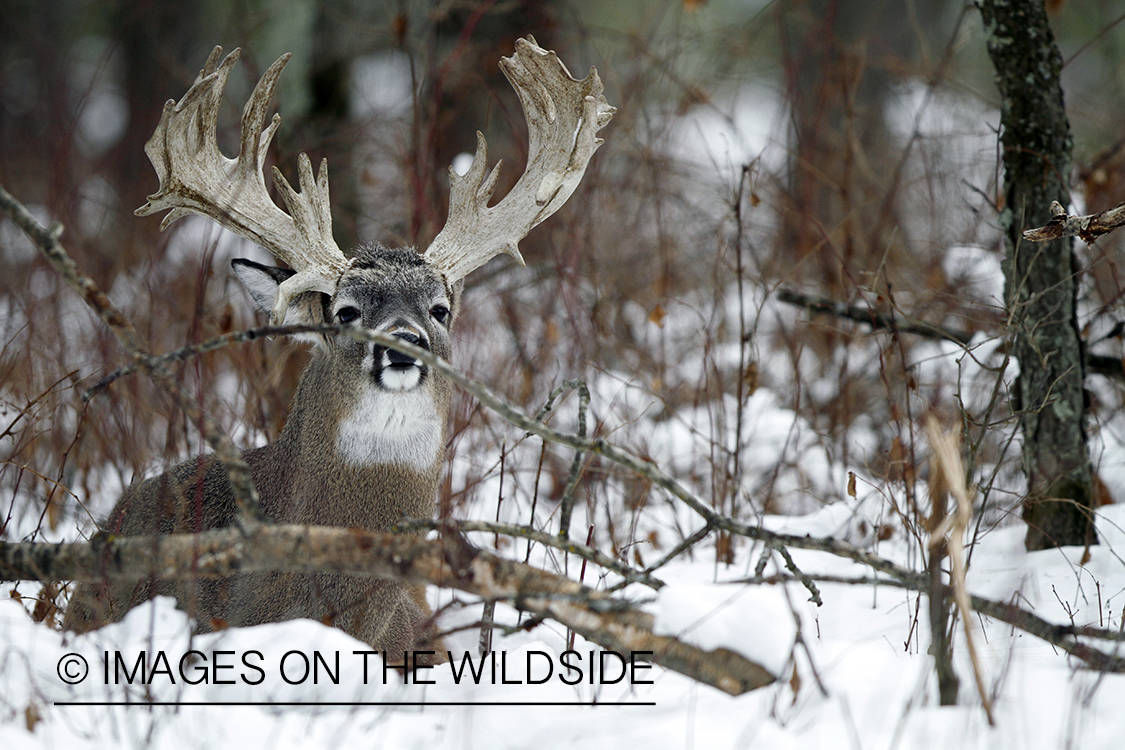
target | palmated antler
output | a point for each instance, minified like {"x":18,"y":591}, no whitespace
{"x":563,"y":118}
{"x":196,"y":177}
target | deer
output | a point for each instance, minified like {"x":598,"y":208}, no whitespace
{"x":364,"y":442}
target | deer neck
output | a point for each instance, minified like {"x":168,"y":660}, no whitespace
{"x":361,"y":457}
{"x":360,"y":426}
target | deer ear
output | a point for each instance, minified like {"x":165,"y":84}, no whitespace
{"x":261,"y":281}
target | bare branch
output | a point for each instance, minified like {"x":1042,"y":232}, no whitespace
{"x":47,"y":240}
{"x":873,"y":318}
{"x":1087,"y":228}
{"x":210,"y":345}
{"x":1110,"y":367}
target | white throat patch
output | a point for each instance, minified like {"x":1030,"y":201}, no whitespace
{"x":391,"y":428}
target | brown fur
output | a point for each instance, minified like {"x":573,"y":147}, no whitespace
{"x":302,"y":479}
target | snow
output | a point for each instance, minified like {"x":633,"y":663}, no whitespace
{"x":867,"y":644}
{"x":715,"y":616}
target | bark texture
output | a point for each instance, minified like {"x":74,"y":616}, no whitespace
{"x":1041,"y":278}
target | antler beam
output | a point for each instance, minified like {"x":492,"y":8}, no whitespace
{"x":195,"y":177}
{"x":563,"y":117}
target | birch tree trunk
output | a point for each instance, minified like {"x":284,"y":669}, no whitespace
{"x":1041,"y":279}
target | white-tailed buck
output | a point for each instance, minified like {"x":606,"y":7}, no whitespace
{"x":365,"y":439}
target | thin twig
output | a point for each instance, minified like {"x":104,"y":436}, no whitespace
{"x":210,"y":345}
{"x":550,"y":540}
{"x":46,"y":239}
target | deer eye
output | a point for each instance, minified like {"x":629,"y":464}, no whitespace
{"x":440,"y":313}
{"x":347,"y":314}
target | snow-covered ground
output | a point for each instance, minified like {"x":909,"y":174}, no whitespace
{"x":866,"y":644}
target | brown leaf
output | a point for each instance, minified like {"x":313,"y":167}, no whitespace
{"x":45,"y":607}
{"x":751,"y":377}
{"x":31,"y":716}
{"x":795,"y":683}
{"x":1102,"y":495}
{"x":657,"y":315}
{"x":54,"y":512}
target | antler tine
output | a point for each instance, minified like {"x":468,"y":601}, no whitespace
{"x":195,"y":177}
{"x":563,"y":117}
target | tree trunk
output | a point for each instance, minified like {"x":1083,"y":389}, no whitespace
{"x":1041,"y":279}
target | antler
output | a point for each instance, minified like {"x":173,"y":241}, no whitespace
{"x":563,"y":118}
{"x":196,"y":177}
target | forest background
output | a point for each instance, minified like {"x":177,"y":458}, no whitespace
{"x":787,"y":256}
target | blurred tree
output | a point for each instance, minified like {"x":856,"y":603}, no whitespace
{"x":1041,"y":280}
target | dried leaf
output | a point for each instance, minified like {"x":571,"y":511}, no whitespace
{"x":54,"y":512}
{"x":657,"y":315}
{"x":751,"y":377}
{"x":851,"y":484}
{"x":31,"y":716}
{"x":1102,"y":495}
{"x":45,"y":607}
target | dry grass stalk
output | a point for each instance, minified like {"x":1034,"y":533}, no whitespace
{"x":951,"y":530}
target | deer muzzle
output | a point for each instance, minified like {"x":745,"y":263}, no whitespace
{"x":396,"y":371}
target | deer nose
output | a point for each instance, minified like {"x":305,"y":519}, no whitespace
{"x":397,"y":358}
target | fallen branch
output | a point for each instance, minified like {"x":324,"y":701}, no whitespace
{"x":449,"y":562}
